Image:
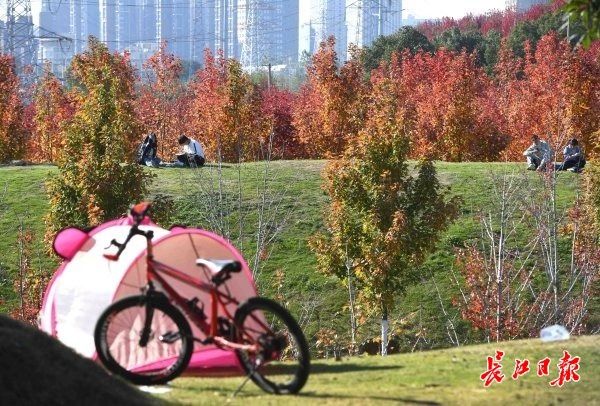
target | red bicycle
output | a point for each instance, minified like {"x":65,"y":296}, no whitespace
{"x":267,"y":340}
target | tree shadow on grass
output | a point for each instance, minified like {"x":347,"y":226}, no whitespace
{"x":314,"y":395}
{"x":322,"y":368}
{"x":318,"y":368}
{"x":228,"y":393}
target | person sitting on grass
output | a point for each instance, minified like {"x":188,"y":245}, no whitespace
{"x":573,"y":157}
{"x":147,"y":151}
{"x":538,"y":154}
{"x":193,"y":154}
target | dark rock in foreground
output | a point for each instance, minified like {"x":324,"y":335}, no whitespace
{"x":36,"y":369}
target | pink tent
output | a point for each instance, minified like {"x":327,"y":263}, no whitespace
{"x":86,"y":283}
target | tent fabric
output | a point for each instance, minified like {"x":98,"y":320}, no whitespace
{"x":85,"y":285}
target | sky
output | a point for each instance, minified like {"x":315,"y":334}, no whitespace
{"x":422,"y":9}
{"x":449,"y":8}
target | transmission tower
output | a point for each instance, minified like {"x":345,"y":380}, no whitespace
{"x":261,"y":28}
{"x":250,"y":30}
{"x":20,"y":40}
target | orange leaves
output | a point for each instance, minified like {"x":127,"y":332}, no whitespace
{"x":97,"y":177}
{"x":449,"y":107}
{"x":552,"y":93}
{"x":225,"y":110}
{"x":329,"y":108}
{"x":53,"y":111}
{"x":487,"y":304}
{"x":443,"y":97}
{"x":162,"y":104}
{"x":12,"y":134}
{"x":382,"y":220}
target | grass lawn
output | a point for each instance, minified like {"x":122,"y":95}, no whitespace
{"x":432,"y":377}
{"x":22,"y":196}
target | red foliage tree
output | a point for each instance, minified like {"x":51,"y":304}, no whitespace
{"x":445,"y":97}
{"x":329,"y":109}
{"x":501,"y":21}
{"x":552,"y":93}
{"x":12,"y":133}
{"x":487,"y":305}
{"x":225,"y":110}
{"x":163,"y":101}
{"x":277,"y":108}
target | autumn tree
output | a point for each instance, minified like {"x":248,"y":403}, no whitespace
{"x":276,"y":107}
{"x":12,"y":133}
{"x":98,"y":178}
{"x":329,"y":108}
{"x":225,"y":110}
{"x":52,"y":111}
{"x":552,"y":92}
{"x":514,"y":281}
{"x":163,"y":101}
{"x":382,"y":220}
{"x":448,"y":93}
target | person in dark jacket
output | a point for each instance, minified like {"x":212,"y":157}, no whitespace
{"x":147,"y":151}
{"x":573,"y":157}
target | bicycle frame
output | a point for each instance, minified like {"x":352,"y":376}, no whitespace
{"x":217,"y":299}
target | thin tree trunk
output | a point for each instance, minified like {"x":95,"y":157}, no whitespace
{"x":21,"y":267}
{"x":352,"y":313}
{"x":384,"y":331}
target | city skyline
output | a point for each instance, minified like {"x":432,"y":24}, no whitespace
{"x":257,"y":32}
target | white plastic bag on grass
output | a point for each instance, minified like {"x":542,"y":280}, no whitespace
{"x":554,"y":333}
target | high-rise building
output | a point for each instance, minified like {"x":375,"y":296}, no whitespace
{"x":268,"y":32}
{"x":257,"y":31}
{"x":83,"y":22}
{"x":63,"y":29}
{"x":226,"y":38}
{"x":368,"y":19}
{"x":202,"y":28}
{"x":181,"y":33}
{"x":327,"y":18}
{"x":523,"y":5}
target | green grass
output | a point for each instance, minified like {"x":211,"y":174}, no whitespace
{"x":303,"y":207}
{"x":432,"y":377}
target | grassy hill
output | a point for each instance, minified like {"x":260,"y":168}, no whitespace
{"x":448,"y":377}
{"x":318,"y":301}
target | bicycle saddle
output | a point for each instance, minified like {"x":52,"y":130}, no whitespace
{"x":220,"y":269}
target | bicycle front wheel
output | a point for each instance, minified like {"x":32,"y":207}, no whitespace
{"x":144,"y":339}
{"x":280,"y":363}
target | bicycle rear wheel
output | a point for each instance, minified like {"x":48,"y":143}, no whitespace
{"x":144,"y":339}
{"x":282,"y":362}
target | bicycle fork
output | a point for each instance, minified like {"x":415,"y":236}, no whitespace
{"x":145,"y":336}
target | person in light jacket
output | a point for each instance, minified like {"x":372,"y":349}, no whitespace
{"x":538,"y":154}
{"x":193,"y":154}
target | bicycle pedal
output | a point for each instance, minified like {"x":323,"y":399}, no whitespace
{"x":169,"y":337}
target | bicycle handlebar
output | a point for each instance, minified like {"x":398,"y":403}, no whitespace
{"x":138,"y":212}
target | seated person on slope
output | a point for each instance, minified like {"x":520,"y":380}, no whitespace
{"x":193,"y":154}
{"x":147,"y":151}
{"x":538,"y":154}
{"x":573,"y":157}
